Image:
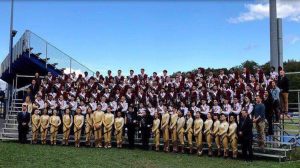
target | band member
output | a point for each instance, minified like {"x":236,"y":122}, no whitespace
{"x":40,"y":102}
{"x":204,"y":108}
{"x":155,"y":130}
{"x":189,"y":130}
{"x":236,"y":107}
{"x":165,"y":129}
{"x":119,"y":124}
{"x":73,"y":105}
{"x":67,"y":123}
{"x":173,"y":129}
{"x":216,"y":109}
{"x":232,"y":135}
{"x":78,"y":123}
{"x":44,"y":125}
{"x":215,"y":133}
{"x":54,"y":124}
{"x":198,"y":125}
{"x":108,"y":122}
{"x":226,"y":107}
{"x":208,"y":132}
{"x":98,"y":121}
{"x":62,"y":104}
{"x":180,"y":131}
{"x":223,"y":129}
{"x":35,"y":125}
{"x":88,"y":126}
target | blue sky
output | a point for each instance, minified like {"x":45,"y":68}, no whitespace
{"x":153,"y":35}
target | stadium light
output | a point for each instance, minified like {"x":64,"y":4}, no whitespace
{"x":13,"y":33}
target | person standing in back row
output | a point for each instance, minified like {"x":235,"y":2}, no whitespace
{"x":283,"y":84}
{"x":259,"y":120}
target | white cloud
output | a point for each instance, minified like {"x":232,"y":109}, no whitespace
{"x":77,"y":71}
{"x":287,"y":9}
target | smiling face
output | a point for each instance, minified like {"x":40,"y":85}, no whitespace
{"x":231,"y":119}
{"x":223,"y":118}
{"x":197,"y":114}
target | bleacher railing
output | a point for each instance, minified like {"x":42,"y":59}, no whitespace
{"x":34,"y":44}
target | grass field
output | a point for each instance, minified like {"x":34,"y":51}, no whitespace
{"x":18,"y":155}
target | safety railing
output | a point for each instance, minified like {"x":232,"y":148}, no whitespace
{"x":46,"y":52}
{"x":53,"y":56}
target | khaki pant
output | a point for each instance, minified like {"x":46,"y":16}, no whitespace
{"x":260,"y":127}
{"x":181,"y":137}
{"x":217,"y":141}
{"x":66,"y":133}
{"x":107,"y":135}
{"x":284,"y":97}
{"x":43,"y":135}
{"x":190,"y":138}
{"x":88,"y":133}
{"x":119,"y":136}
{"x":156,"y":138}
{"x":77,"y":134}
{"x":98,"y":137}
{"x":234,"y":143}
{"x":166,"y":134}
{"x":174,"y":135}
{"x":35,"y":132}
{"x":53,"y":136}
{"x":208,"y":140}
{"x":198,"y":139}
{"x":224,"y":141}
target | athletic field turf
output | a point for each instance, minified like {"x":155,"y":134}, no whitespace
{"x":18,"y":155}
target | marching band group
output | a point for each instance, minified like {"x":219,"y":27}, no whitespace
{"x":183,"y":109}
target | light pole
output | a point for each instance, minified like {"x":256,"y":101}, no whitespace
{"x":273,"y":35}
{"x":12,"y":33}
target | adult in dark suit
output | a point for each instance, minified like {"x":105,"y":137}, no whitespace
{"x":145,"y":125}
{"x":23,"y":121}
{"x":131,"y":123}
{"x":246,"y":136}
{"x":34,"y":88}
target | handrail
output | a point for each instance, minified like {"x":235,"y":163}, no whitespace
{"x":292,"y":73}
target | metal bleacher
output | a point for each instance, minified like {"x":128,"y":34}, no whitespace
{"x":39,"y":56}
